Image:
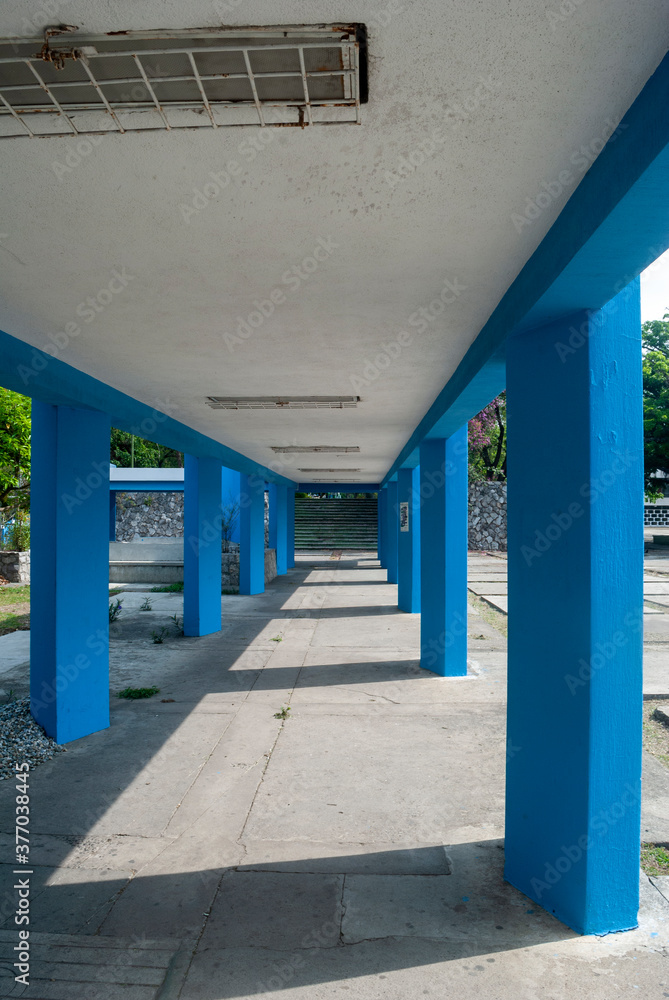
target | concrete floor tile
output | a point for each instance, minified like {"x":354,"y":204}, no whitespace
{"x":275,"y":910}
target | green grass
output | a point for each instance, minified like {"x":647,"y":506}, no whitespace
{"x":169,"y":588}
{"x":655,"y":859}
{"x":14,"y":595}
{"x":491,"y":615}
{"x":134,"y":693}
{"x":14,"y":609}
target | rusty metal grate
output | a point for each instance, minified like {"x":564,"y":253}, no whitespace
{"x":138,"y":81}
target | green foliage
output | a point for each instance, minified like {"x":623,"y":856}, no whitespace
{"x":134,"y":693}
{"x":169,"y":588}
{"x":159,"y":637}
{"x":146,"y":605}
{"x":283,"y":713}
{"x":655,"y":341}
{"x":115,"y":609}
{"x":17,"y":538}
{"x":14,"y":451}
{"x":487,"y":442}
{"x":129,"y":450}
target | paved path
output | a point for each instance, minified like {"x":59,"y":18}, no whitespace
{"x":203,"y":849}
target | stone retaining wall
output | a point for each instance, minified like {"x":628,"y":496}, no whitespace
{"x":15,"y":566}
{"x":141,"y":515}
{"x":487,"y":516}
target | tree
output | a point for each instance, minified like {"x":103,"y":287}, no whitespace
{"x":14,"y":452}
{"x":655,"y":346}
{"x":128,"y":450}
{"x":487,"y":441}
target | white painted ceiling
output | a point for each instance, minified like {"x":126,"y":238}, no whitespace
{"x":551,"y":85}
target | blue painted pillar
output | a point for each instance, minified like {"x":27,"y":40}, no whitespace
{"x":381,"y":525}
{"x":408,"y":540}
{"x":230,"y":479}
{"x":391,"y":530}
{"x":443,"y":554}
{"x":112,"y":515}
{"x":290,"y":519}
{"x":202,"y":545}
{"x":252,"y":535}
{"x":575,"y":536}
{"x":278,"y":525}
{"x":69,"y":522}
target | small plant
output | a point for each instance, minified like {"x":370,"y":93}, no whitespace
{"x":134,"y":693}
{"x":159,"y":637}
{"x":146,"y":605}
{"x":277,"y":638}
{"x":230,"y":590}
{"x":655,"y":859}
{"x":170,"y":588}
{"x":284,"y":713}
{"x":115,"y":609}
{"x":177,"y":624}
{"x":148,"y":501}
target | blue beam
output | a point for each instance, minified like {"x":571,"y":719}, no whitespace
{"x":443,"y":556}
{"x":613,"y":227}
{"x":408,"y":543}
{"x":575,"y":529}
{"x":278,"y":526}
{"x":69,"y":521}
{"x":202,"y":546}
{"x":252,"y":535}
{"x":37,"y":374}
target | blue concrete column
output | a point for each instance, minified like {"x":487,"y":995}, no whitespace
{"x":575,"y":537}
{"x":290,"y":519}
{"x":112,"y":515}
{"x":391,"y":530}
{"x":230,"y":489}
{"x":202,"y":545}
{"x":443,"y":554}
{"x":408,"y":540}
{"x":69,"y":523}
{"x":278,"y":525}
{"x":381,"y":500}
{"x":252,"y":535}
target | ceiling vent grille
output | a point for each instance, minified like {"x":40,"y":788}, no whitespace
{"x":134,"y":81}
{"x":330,"y":470}
{"x":282,"y":402}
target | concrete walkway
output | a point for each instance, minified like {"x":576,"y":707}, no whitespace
{"x":203,"y":849}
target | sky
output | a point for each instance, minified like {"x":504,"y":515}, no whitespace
{"x":655,"y":289}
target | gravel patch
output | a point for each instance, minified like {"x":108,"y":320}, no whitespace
{"x":22,"y":739}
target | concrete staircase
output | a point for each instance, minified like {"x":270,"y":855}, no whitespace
{"x":335,"y":524}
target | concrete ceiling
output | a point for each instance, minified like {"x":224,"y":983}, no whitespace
{"x":510,"y":91}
